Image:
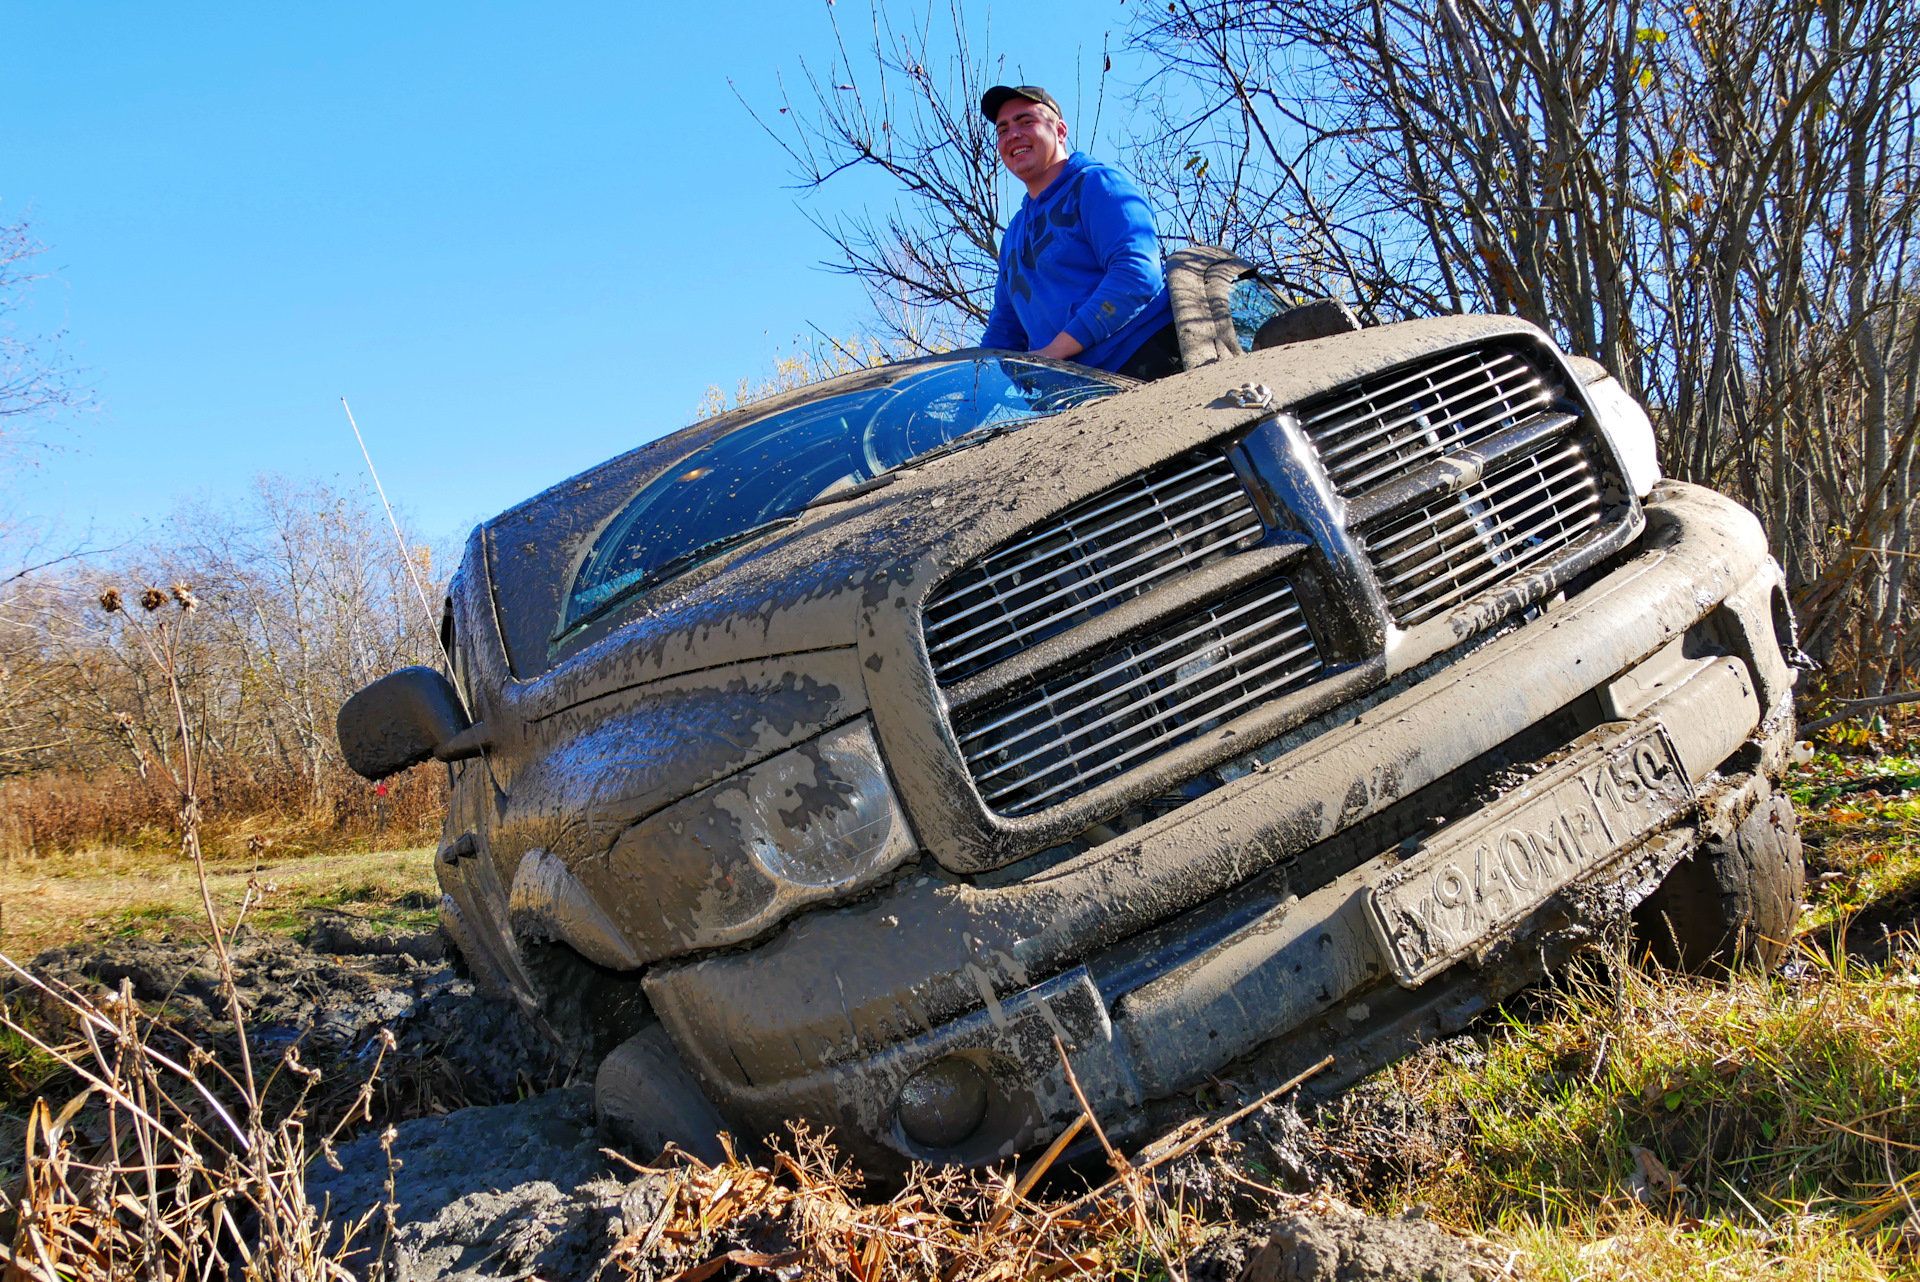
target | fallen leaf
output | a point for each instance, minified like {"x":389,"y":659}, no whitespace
{"x":1652,"y":1184}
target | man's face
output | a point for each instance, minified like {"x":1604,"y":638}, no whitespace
{"x":1032,"y":139}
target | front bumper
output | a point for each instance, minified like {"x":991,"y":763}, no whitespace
{"x":1166,"y":954}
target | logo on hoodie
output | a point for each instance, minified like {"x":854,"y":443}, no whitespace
{"x":1037,"y":235}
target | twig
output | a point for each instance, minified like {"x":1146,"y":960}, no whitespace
{"x":1854,"y":707}
{"x":1034,"y":1172}
{"x":1187,"y":1146}
{"x":1086,"y":1109}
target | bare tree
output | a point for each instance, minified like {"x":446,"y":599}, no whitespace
{"x":303,"y":598}
{"x":903,"y":107}
{"x":36,"y":376}
{"x":1717,"y":199}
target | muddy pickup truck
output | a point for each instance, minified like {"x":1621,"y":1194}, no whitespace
{"x":869,"y":754}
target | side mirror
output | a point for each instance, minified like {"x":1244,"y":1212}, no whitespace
{"x":1322,"y":318}
{"x":402,"y":720}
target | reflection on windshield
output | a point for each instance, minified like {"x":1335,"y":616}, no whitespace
{"x":764,"y":473}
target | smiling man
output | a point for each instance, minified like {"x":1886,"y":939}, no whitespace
{"x":1080,"y":275}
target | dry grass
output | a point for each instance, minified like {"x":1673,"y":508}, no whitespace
{"x":119,"y":891}
{"x":167,"y":1162}
{"x":52,"y":815}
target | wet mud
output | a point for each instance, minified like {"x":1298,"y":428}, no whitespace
{"x":517,"y":1183}
{"x":1338,"y":1245}
{"x":331,"y":996}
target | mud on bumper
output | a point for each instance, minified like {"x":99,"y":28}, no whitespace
{"x":1388,"y":880}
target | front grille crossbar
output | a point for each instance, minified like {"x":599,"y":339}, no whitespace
{"x":1453,"y":402}
{"x":1516,"y":516}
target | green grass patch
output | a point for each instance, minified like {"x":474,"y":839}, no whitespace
{"x":1860,"y":820}
{"x":1785,"y":1108}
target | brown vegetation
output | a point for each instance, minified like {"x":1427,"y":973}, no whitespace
{"x":300,"y":599}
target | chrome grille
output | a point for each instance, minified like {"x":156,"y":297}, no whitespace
{"x":1516,"y":516}
{"x":1379,"y":428}
{"x":1123,"y":542}
{"x":1094,"y":722}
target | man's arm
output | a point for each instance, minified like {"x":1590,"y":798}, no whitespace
{"x":1120,"y":231}
{"x":1063,"y":347}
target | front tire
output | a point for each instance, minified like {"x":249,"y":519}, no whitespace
{"x":644,"y":1097}
{"x":1733,"y":902}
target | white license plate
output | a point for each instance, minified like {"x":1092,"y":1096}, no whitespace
{"x":1470,"y":882}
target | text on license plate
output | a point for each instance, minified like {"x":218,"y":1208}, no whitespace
{"x":1470,"y":882}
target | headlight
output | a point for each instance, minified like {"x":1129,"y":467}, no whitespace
{"x":815,"y":822}
{"x":1629,"y":431}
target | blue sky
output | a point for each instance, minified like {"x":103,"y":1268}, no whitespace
{"x":518,"y":238}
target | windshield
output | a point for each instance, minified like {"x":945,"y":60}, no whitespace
{"x":759,"y":476}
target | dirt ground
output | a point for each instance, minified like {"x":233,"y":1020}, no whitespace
{"x":549,"y":1201}
{"x":1517,"y":1129}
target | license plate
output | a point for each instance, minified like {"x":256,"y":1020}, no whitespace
{"x":1470,"y":882}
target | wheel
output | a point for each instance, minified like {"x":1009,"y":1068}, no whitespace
{"x":1730,"y":903}
{"x":645,"y":1098}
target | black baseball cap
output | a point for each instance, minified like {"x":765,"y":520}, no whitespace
{"x":995,"y":98}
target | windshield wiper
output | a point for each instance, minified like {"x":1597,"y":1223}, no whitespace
{"x":964,"y":441}
{"x":674,"y":566}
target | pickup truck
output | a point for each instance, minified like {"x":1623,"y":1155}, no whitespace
{"x":871,"y":754}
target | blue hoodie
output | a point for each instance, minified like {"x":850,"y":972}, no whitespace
{"x":1081,"y":257}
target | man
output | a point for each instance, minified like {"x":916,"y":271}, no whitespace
{"x":1080,"y":275}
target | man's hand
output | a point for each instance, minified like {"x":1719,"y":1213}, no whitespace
{"x":1063,"y":347}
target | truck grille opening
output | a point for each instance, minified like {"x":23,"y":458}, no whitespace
{"x":1128,"y":540}
{"x":1520,"y":514}
{"x":1113,"y":712}
{"x":1377,"y":429}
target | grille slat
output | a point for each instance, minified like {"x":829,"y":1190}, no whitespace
{"x":1087,"y":778}
{"x":1056,"y":701}
{"x":1094,"y":722}
{"x":1074,"y":517}
{"x":1575,"y":466}
{"x":1157,"y":743}
{"x":1056,"y":691}
{"x":1474,"y":374}
{"x":1398,"y":421}
{"x":1515,"y":516}
{"x":1508,"y":403}
{"x":1109,"y":501}
{"x":1117,"y":545}
{"x":1147,"y":536}
{"x":1098,"y":536}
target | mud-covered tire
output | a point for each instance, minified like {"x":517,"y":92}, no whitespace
{"x":644,"y":1098}
{"x":1731,"y":903}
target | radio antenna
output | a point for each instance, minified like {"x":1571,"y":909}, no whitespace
{"x":406,"y":558}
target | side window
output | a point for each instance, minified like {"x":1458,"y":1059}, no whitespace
{"x":1252,"y":303}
